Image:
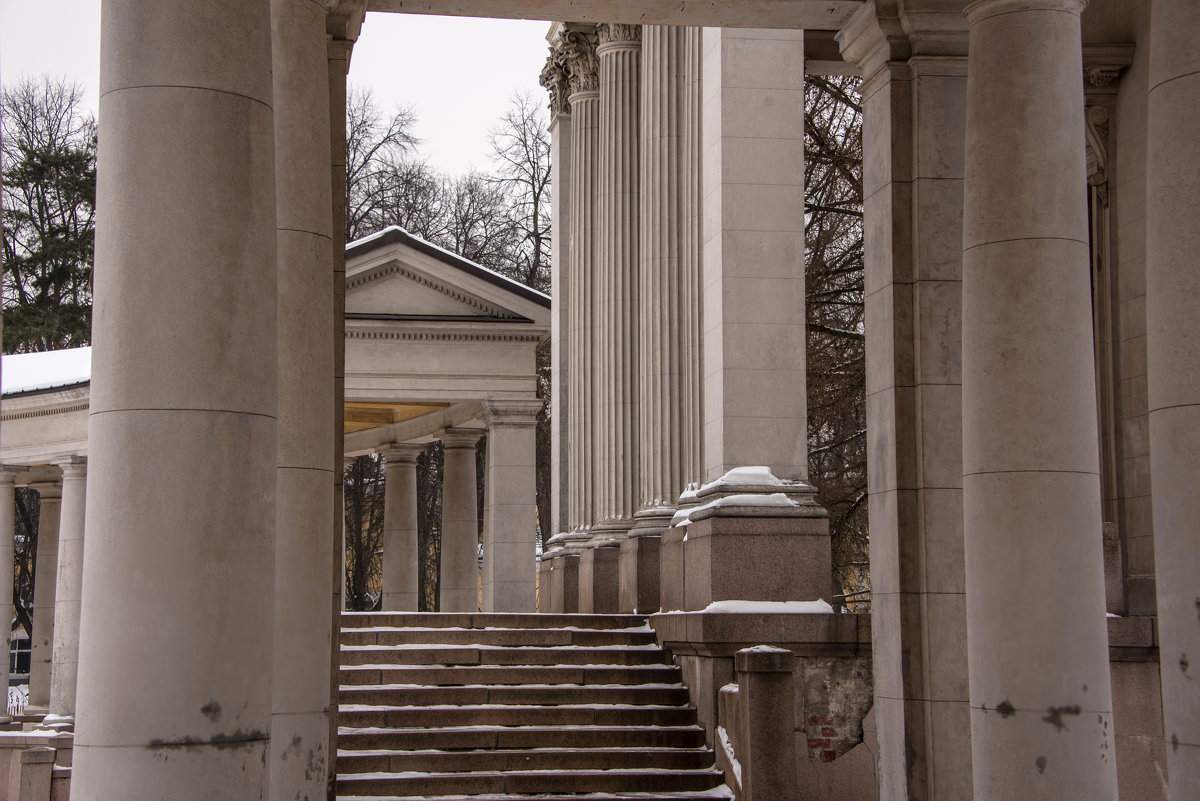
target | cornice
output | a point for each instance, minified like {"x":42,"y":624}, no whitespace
{"x":440,"y":336}
{"x":395,"y":268}
{"x":25,"y":414}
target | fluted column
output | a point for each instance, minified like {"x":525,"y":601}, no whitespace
{"x":8,"y":519}
{"x":175,"y":649}
{"x":668,"y":272}
{"x":460,"y":522}
{"x":510,"y":514}
{"x":68,"y":594}
{"x":615,"y":303}
{"x":304,"y":497}
{"x":45,"y":586}
{"x":401,"y":558}
{"x":1173,"y":353}
{"x":1041,"y":706}
{"x":579,"y":57}
{"x":555,"y":78}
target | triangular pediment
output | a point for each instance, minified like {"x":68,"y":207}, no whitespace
{"x":396,"y":275}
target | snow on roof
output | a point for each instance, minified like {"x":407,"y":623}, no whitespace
{"x":26,"y":372}
{"x":396,"y":232}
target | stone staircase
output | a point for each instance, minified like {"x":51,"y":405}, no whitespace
{"x":512,"y":706}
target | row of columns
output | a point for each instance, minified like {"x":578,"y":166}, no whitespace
{"x":58,"y":585}
{"x":507,"y":583}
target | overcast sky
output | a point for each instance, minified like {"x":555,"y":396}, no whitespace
{"x":458,"y":73}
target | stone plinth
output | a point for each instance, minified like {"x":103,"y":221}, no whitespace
{"x":638,"y":574}
{"x":671,"y":578}
{"x":598,"y":568}
{"x":766,"y":754}
{"x":563,"y":585}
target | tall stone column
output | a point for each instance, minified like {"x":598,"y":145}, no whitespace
{"x":669,"y":379}
{"x":753,"y":251}
{"x":615,"y":299}
{"x":304,"y":500}
{"x":45,"y":586}
{"x":8,"y":520}
{"x":460,"y":522}
{"x":555,"y":79}
{"x":1041,"y":701}
{"x":401,"y":558}
{"x":583,"y":77}
{"x":1173,"y":353}
{"x":509,"y":509}
{"x":68,"y":594}
{"x":914,"y":113}
{"x":174,"y":691}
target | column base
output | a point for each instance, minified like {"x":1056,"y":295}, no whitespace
{"x":563,"y":584}
{"x":609,"y":531}
{"x":598,"y":579}
{"x":638,"y":574}
{"x":671,"y":577}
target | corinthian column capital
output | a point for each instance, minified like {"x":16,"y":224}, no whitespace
{"x":556,"y":78}
{"x":618,"y":33}
{"x":581,"y":62}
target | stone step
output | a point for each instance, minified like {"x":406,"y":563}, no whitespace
{"x":384,"y":761}
{"x":514,"y":715}
{"x":528,"y":782}
{"x":485,"y":620}
{"x":388,"y":635}
{"x":458,"y":675}
{"x":500,"y":655}
{"x":419,"y":695}
{"x":484,"y":737}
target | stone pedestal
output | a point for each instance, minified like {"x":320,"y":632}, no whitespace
{"x":671,"y":576}
{"x":598,"y":576}
{"x":735,"y":553}
{"x":459,"y":589}
{"x":175,"y":651}
{"x":45,"y":586}
{"x":401,"y":557}
{"x":639,"y":575}
{"x":1173,"y":353}
{"x":767,"y":753}
{"x":1041,"y":714}
{"x":564,"y":583}
{"x":68,"y":594}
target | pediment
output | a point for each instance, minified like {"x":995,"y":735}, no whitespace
{"x":395,"y":275}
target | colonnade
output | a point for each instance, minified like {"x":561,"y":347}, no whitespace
{"x":984,"y":486}
{"x":507,"y":583}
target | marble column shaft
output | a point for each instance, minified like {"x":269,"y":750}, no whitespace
{"x":581,"y":266}
{"x":175,"y":650}
{"x":304,"y":501}
{"x":8,"y":520}
{"x":45,"y":586}
{"x":510,"y":512}
{"x":401,"y":557}
{"x":914,"y":114}
{"x":69,"y":593}
{"x":460,"y":522}
{"x":1041,"y":699}
{"x":615,"y":302}
{"x":669,"y":410}
{"x":752,"y":159}
{"x":561,"y":280}
{"x":337,"y":55}
{"x":1173,"y":353}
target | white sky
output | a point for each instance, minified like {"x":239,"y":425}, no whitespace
{"x":458,"y":73}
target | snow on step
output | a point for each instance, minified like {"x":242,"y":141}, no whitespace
{"x":499,"y":707}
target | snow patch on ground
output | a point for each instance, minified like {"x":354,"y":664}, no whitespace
{"x":817,"y":607}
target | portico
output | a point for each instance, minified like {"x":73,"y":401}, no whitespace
{"x":993,"y":671}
